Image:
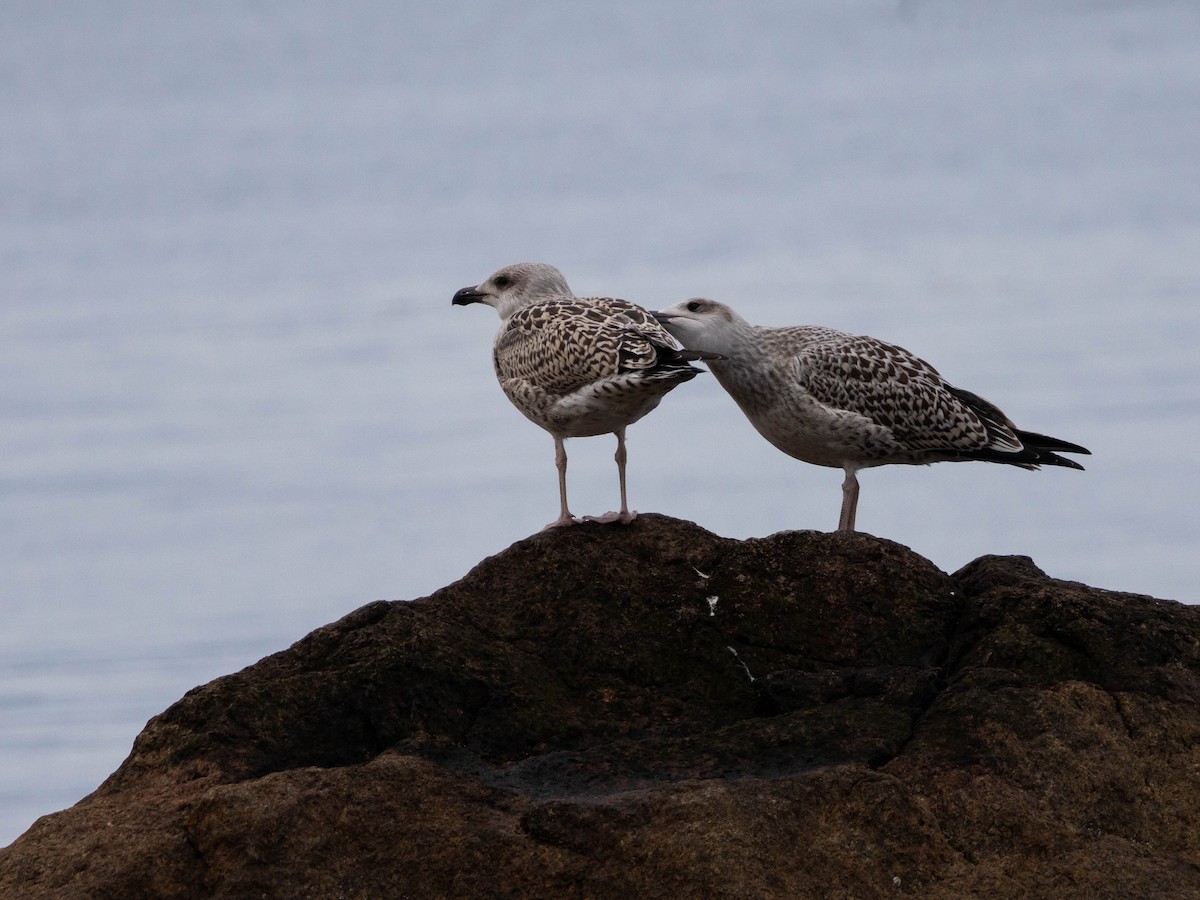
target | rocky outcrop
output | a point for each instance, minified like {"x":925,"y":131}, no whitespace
{"x":655,"y":711}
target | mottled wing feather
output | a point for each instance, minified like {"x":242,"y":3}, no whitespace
{"x":560,"y":346}
{"x":889,"y":386}
{"x":1001,"y":429}
{"x":634,"y":317}
{"x":640,"y":334}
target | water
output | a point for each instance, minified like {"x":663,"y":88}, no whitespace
{"x":237,"y":403}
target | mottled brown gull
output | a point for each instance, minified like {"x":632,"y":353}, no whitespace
{"x":578,"y":366}
{"x":850,"y":401}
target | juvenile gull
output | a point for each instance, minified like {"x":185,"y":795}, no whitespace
{"x":577,"y":366}
{"x":850,"y":401}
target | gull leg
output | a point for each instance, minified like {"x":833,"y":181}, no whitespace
{"x":625,"y":516}
{"x":560,"y":461}
{"x":849,"y":501}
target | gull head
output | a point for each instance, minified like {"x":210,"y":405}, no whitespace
{"x":704,"y":325}
{"x":515,"y":287}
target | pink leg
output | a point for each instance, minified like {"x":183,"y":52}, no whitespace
{"x":849,"y":501}
{"x":625,"y":516}
{"x":560,"y":461}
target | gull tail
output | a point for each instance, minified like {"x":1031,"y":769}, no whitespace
{"x":699,"y":355}
{"x":1047,"y":449}
{"x":1034,"y":449}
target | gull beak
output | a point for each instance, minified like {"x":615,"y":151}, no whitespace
{"x":663,"y":317}
{"x":468,"y":295}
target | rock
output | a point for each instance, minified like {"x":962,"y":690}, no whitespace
{"x":655,"y":711}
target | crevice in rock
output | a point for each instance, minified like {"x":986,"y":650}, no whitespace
{"x":955,"y":649}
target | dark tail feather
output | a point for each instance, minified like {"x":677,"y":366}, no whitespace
{"x":679,"y":356}
{"x":1037,"y":449}
{"x":1045,"y":447}
{"x":675,"y":364}
{"x":698,"y":355}
{"x":1043,"y":442}
{"x":1027,"y":458}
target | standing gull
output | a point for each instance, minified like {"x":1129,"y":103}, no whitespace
{"x":578,"y":366}
{"x":850,"y":401}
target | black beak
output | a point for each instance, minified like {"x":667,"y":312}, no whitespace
{"x":661,"y":316}
{"x":467,"y":295}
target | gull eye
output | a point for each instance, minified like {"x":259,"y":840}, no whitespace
{"x":502,"y":281}
{"x":694,"y":306}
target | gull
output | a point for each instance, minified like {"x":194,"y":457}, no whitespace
{"x":851,"y":402}
{"x":578,"y":366}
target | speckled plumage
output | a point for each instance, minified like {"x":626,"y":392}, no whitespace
{"x":849,"y":401}
{"x":577,"y":366}
{"x":586,"y":366}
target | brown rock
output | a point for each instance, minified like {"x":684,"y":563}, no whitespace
{"x":654,"y":711}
